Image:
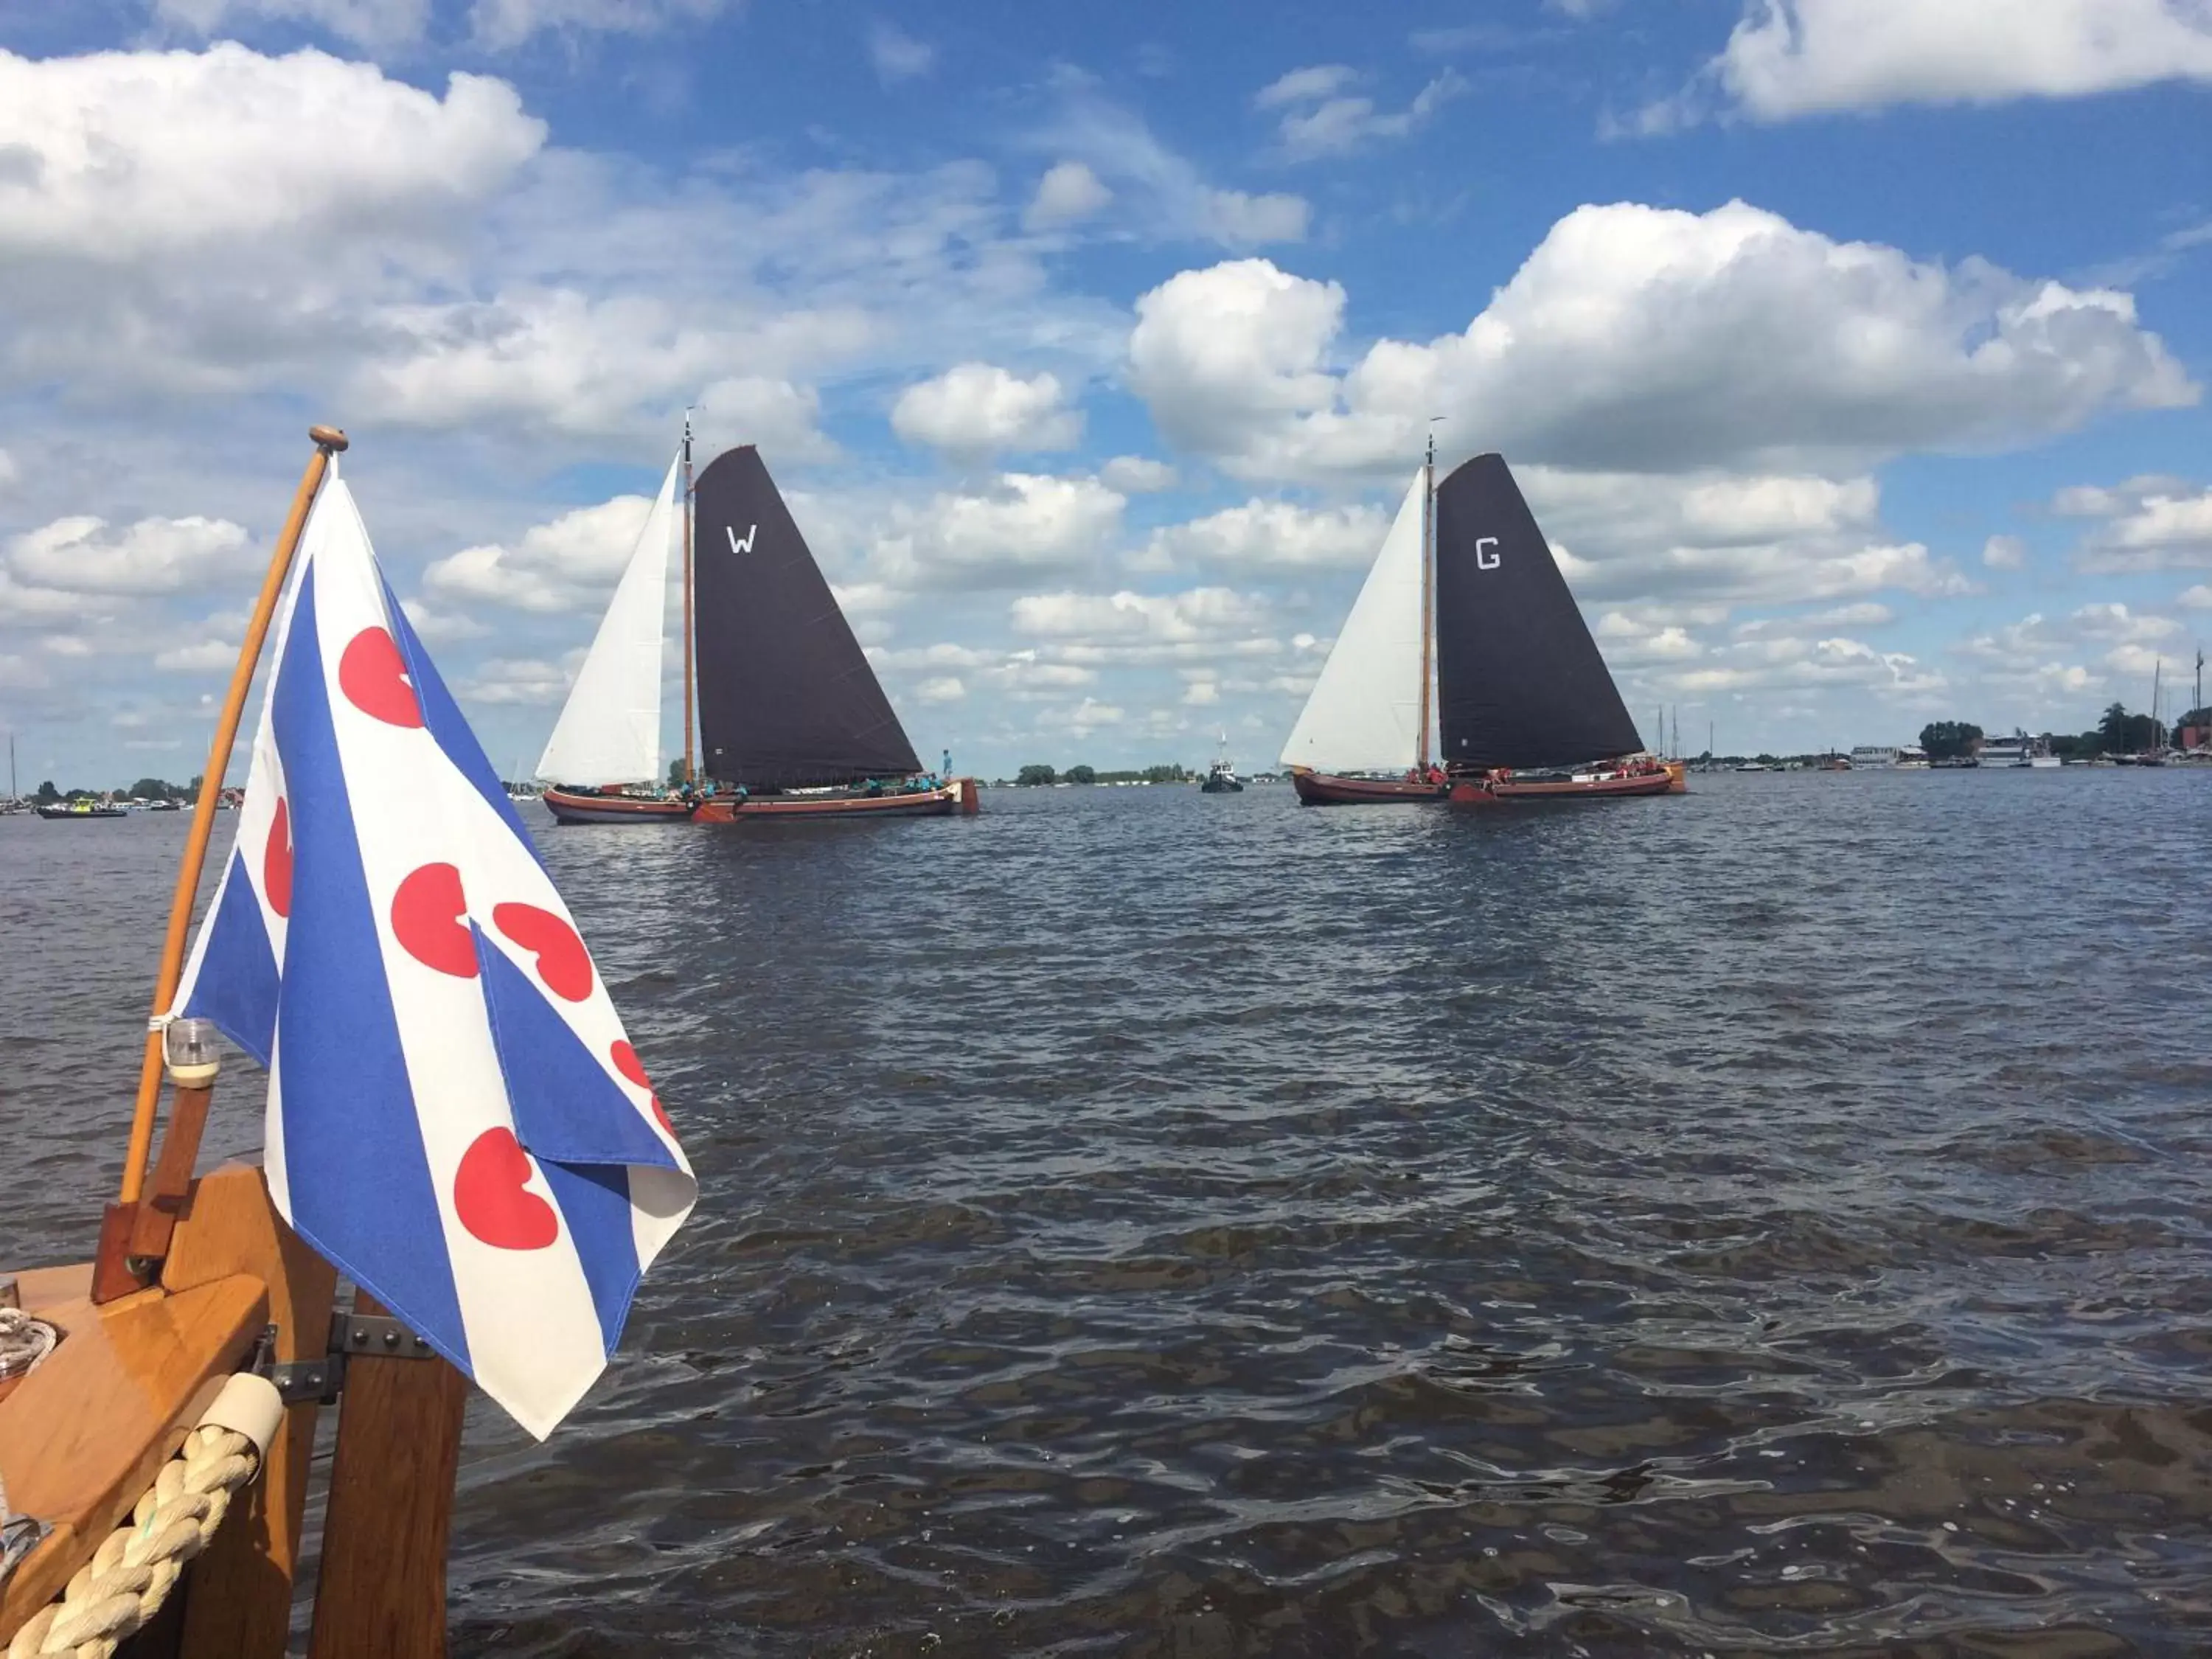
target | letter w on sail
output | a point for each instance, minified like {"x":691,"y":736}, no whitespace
{"x":745,"y":546}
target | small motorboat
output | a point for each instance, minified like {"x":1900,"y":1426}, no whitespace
{"x":82,"y":809}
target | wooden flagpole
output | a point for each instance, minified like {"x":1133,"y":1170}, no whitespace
{"x":329,"y":441}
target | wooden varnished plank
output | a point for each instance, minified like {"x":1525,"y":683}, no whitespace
{"x":86,"y":1432}
{"x":239,"y":1595}
{"x":382,"y":1594}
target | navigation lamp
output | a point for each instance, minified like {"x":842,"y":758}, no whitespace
{"x":188,"y":1048}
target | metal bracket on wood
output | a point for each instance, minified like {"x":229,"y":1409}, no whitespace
{"x":370,"y":1335}
{"x":377,"y":1333}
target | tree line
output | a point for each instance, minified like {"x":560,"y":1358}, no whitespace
{"x":144,"y":789}
{"x":1038,"y":775}
{"x":2117,"y":733}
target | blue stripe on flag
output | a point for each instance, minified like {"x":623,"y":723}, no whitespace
{"x":237,"y":986}
{"x":442,"y":719}
{"x":594,"y":1200}
{"x":360,"y":1184}
{"x":580,"y":1125}
{"x":566,"y":1107}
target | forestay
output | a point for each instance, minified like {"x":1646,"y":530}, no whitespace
{"x":610,"y":728}
{"x":1364,"y":714}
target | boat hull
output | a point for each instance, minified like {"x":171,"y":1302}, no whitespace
{"x":1328,"y":789}
{"x":59,"y":814}
{"x":955,"y":797}
{"x":584,"y":806}
{"x":1670,"y":780}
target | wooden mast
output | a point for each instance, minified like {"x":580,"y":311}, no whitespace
{"x":689,"y":776}
{"x":1428,"y":597}
{"x":329,"y":441}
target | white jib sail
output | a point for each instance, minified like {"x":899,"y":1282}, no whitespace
{"x":1364,"y":712}
{"x":610,"y":728}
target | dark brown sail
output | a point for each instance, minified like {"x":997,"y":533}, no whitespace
{"x":1519,"y":680}
{"x":786,"y":699}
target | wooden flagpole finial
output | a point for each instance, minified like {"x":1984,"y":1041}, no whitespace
{"x":328,"y":441}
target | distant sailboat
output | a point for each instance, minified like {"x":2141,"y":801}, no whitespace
{"x":1525,"y":706}
{"x":792,"y":720}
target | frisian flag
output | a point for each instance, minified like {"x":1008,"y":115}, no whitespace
{"x":456,"y":1118}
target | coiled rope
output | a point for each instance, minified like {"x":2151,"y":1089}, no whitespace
{"x":24,"y":1342}
{"x":130,"y":1574}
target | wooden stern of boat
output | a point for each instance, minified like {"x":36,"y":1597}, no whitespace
{"x":1667,"y":781}
{"x":83,"y":1435}
{"x":585,"y":807}
{"x":958,"y":798}
{"x":1330,"y":789}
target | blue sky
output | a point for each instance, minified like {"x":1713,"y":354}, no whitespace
{"x":1851,"y":351}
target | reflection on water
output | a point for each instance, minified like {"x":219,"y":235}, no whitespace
{"x":1772,"y":1220}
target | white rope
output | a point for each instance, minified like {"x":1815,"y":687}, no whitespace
{"x":129,"y":1576}
{"x":24,"y":1342}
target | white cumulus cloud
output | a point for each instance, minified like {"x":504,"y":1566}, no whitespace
{"x":977,"y":409}
{"x":1069,"y":192}
{"x":2150,"y":523}
{"x":1272,"y":535}
{"x":118,"y":155}
{"x":1796,"y":57}
{"x":1132,"y":474}
{"x":1319,"y":117}
{"x":1024,"y":523}
{"x":84,"y":554}
{"x":567,"y":564}
{"x":503,"y":25}
{"x":368,"y":23}
{"x":896,"y":55}
{"x":1656,"y":339}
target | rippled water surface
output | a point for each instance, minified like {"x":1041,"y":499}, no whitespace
{"x":1772,"y":1220}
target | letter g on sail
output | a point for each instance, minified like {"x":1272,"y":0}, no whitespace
{"x":745,"y":546}
{"x":1485,"y":557}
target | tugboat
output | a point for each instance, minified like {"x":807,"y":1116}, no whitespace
{"x":1221,"y":776}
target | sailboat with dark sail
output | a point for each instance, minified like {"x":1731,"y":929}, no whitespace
{"x":1465,"y":610}
{"x":791,"y":722}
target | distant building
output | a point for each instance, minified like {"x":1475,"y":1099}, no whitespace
{"x":1873,"y":755}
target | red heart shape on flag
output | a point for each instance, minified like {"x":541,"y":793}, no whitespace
{"x":627,"y":1062}
{"x":276,"y":860}
{"x":562,"y":962}
{"x":428,"y":919}
{"x":493,"y":1199}
{"x":373,"y":676}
